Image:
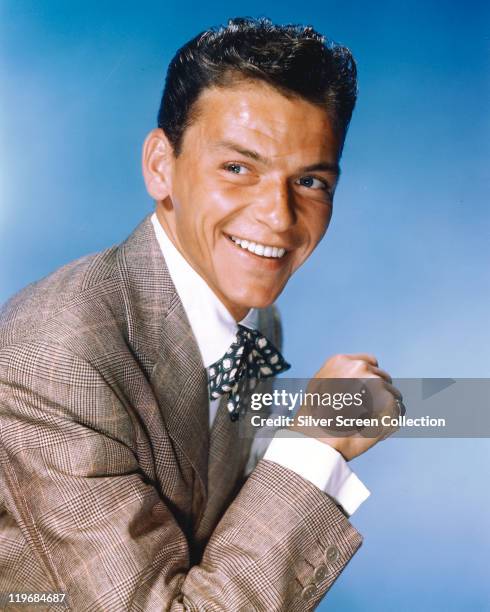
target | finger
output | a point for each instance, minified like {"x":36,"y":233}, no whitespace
{"x":381,"y":373}
{"x":397,"y":409}
{"x":388,"y":403}
{"x":393,"y":426}
{"x":393,"y":390}
{"x":365,"y":357}
{"x":378,"y":383}
{"x":401,"y":407}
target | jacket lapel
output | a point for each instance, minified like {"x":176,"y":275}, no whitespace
{"x":225,"y":468}
{"x":180,"y":383}
{"x":162,"y":340}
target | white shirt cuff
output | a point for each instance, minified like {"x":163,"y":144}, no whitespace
{"x":319,"y":463}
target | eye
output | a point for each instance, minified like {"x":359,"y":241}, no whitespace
{"x":312,"y":183}
{"x":236,"y":168}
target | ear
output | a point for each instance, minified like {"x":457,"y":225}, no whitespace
{"x":158,"y":157}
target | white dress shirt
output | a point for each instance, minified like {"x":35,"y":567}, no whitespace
{"x":215,"y":329}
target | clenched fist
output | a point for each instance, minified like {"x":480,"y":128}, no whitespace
{"x":358,"y":375}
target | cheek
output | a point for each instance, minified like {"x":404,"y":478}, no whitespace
{"x":316,"y":223}
{"x":226,"y":199}
{"x":206,"y":196}
{"x":202,"y":215}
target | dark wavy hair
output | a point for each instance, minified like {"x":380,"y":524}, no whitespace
{"x":296,"y":60}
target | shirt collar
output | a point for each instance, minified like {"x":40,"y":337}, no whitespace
{"x":213,"y":326}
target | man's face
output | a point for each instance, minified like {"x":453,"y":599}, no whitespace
{"x":250,"y":195}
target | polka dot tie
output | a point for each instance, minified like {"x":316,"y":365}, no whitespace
{"x":250,"y":358}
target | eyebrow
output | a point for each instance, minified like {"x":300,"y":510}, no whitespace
{"x":325,"y":166}
{"x":233,"y":146}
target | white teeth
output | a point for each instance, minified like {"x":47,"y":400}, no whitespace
{"x":259,"y":249}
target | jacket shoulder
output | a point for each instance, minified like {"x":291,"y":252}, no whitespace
{"x":29,"y":311}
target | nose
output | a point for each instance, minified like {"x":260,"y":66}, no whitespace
{"x":275,"y":207}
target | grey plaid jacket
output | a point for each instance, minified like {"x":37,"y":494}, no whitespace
{"x":112,"y":488}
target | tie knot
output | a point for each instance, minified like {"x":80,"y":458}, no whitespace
{"x":251,"y":356}
{"x":252,"y":338}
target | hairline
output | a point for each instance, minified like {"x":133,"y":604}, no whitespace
{"x":238,"y":78}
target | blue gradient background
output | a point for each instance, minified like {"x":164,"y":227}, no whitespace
{"x":403,"y":272}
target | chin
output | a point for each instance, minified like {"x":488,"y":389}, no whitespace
{"x":256,"y":298}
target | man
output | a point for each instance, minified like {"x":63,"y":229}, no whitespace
{"x":124,"y":482}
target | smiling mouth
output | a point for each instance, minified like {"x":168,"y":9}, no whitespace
{"x":262,"y":250}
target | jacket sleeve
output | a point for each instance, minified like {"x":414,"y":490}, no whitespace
{"x":96,"y":529}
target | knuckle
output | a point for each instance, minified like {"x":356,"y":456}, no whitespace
{"x":337,"y":361}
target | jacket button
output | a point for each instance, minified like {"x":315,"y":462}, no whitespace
{"x":309,"y":591}
{"x":320,"y":573}
{"x":332,"y":554}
